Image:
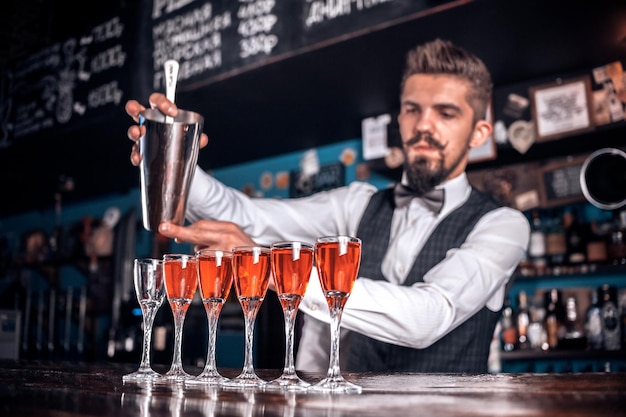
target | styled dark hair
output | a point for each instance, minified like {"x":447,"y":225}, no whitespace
{"x":445,"y":58}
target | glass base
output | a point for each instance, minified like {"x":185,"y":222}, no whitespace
{"x":289,"y":382}
{"x":207,"y":378}
{"x":176,"y":375}
{"x":245,"y":380}
{"x":336,"y":385}
{"x":142,"y":374}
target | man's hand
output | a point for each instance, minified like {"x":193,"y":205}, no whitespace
{"x":212,"y":234}
{"x":157,"y":101}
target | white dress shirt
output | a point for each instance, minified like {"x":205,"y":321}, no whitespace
{"x":416,"y":316}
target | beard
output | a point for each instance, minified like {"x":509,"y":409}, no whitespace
{"x":420,"y":175}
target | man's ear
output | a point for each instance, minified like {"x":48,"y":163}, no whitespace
{"x":482,"y":132}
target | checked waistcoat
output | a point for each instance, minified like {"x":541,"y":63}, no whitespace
{"x":466,"y":348}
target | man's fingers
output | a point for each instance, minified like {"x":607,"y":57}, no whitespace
{"x":134,"y":133}
{"x":135,"y":156}
{"x":133,"y":108}
{"x":204,"y":140}
{"x":207,"y":233}
{"x":171,"y":230}
{"x":160,"y":101}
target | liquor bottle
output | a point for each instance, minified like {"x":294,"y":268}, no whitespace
{"x":576,"y":239}
{"x":522,"y":321}
{"x":574,"y":335}
{"x":593,"y":323}
{"x":597,"y":252}
{"x":537,"y":245}
{"x":509,"y":332}
{"x":556,"y":244}
{"x":555,"y":326}
{"x":610,"y":317}
{"x":537,"y":335}
{"x":617,"y":243}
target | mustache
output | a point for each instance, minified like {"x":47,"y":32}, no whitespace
{"x":426,"y":137}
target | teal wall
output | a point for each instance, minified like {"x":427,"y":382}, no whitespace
{"x":246,"y":176}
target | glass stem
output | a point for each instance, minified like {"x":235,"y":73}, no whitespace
{"x":290,"y":319}
{"x":250,"y":318}
{"x":213,"y":309}
{"x":148,"y":320}
{"x":335,"y":320}
{"x":179,"y":318}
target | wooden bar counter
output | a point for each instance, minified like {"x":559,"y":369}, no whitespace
{"x":70,"y":389}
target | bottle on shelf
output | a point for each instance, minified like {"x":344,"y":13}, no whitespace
{"x":617,"y":242}
{"x":574,"y":337}
{"x":556,"y":245}
{"x":522,"y":319}
{"x":537,"y":334}
{"x":610,"y":317}
{"x":508,"y":329}
{"x":537,"y":245}
{"x":593,"y":323}
{"x":576,"y":240}
{"x":597,"y":252}
{"x":555,"y":317}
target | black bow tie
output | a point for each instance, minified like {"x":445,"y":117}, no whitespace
{"x":433,"y":199}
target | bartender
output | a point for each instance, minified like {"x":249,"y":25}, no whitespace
{"x":437,"y":254}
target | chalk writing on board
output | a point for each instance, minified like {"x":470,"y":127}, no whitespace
{"x":193,"y":38}
{"x":322,"y":10}
{"x":212,"y":37}
{"x":62,"y":81}
{"x":159,"y":7}
{"x":255,"y":27}
{"x":216,"y":39}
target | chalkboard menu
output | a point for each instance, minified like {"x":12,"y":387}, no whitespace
{"x":71,"y":82}
{"x":210,"y":37}
{"x":219,"y":38}
{"x":83,"y":76}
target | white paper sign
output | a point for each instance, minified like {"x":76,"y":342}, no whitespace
{"x":374,"y":131}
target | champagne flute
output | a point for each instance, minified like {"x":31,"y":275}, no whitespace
{"x":215,"y":278}
{"x":181,"y":279}
{"x":337,"y":260}
{"x":148,"y":280}
{"x":251,"y":269}
{"x":292,"y":263}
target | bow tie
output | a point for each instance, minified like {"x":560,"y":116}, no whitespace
{"x":433,"y":199}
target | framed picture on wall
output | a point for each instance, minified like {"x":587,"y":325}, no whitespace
{"x":559,"y":182}
{"x":562,"y":108}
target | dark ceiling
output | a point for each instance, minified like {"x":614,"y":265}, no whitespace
{"x":312,"y":98}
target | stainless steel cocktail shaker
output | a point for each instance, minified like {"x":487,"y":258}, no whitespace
{"x":169,"y":151}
